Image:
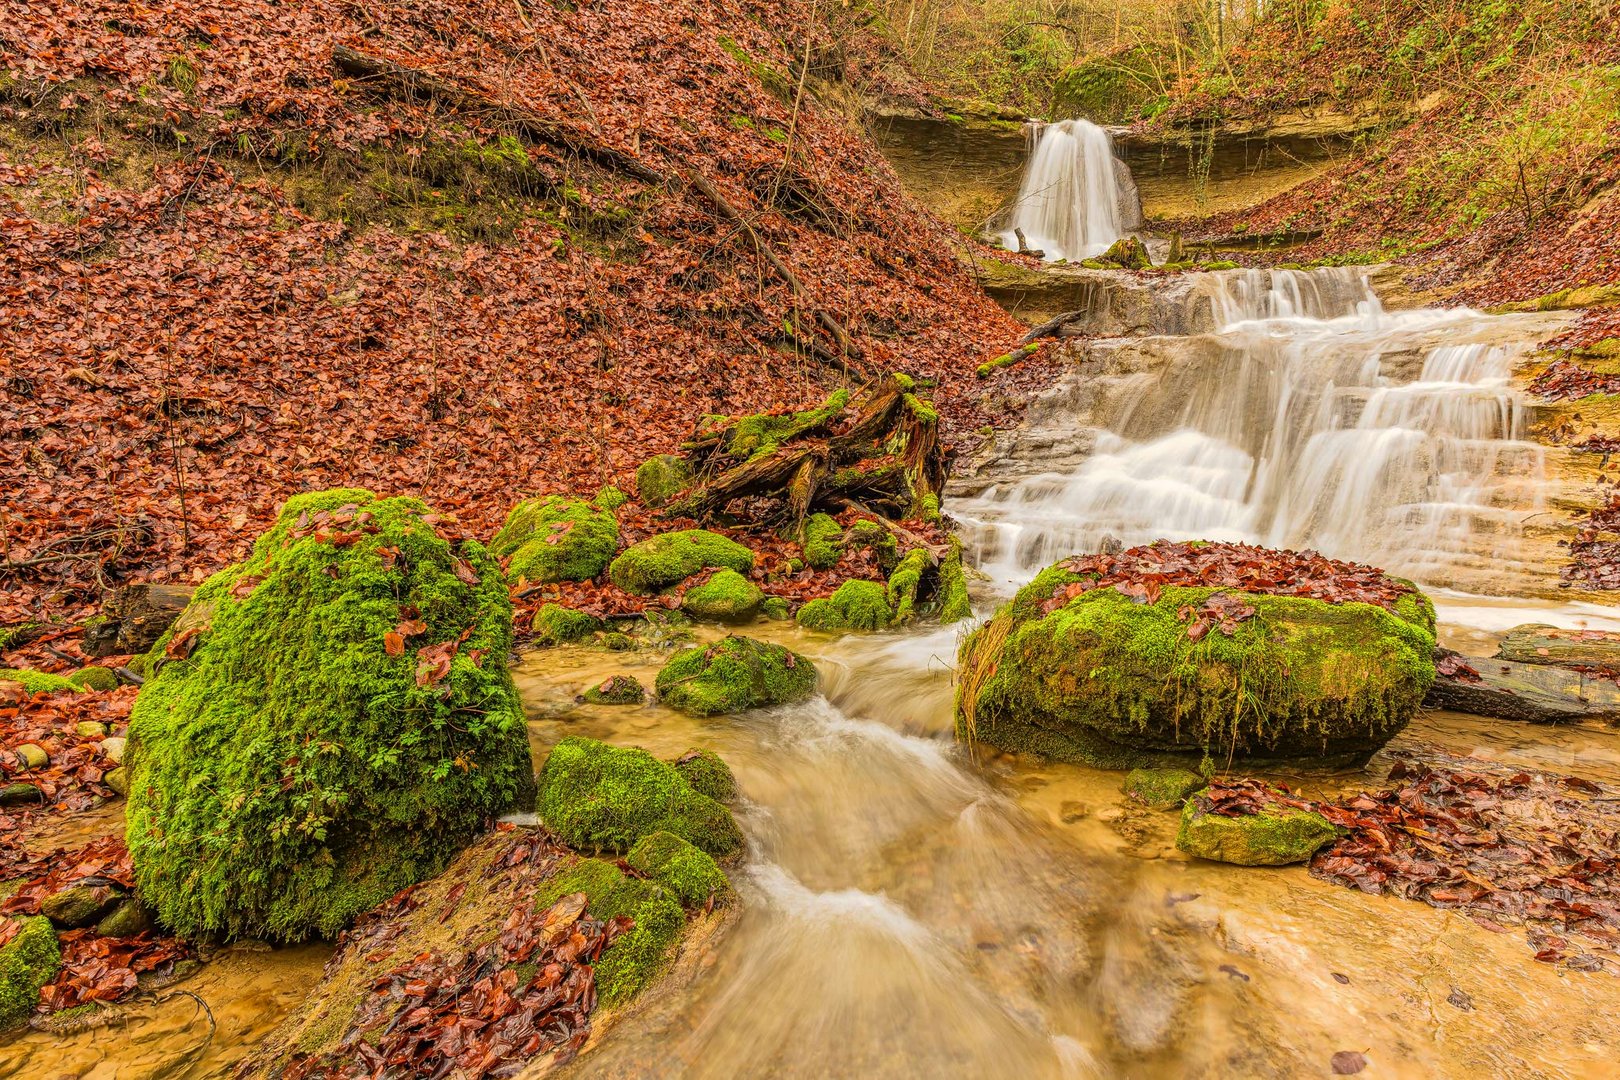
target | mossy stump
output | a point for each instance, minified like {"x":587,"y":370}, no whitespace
{"x":734,"y":674}
{"x":333,"y":722}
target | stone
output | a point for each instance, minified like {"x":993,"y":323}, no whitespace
{"x":854,"y":605}
{"x":556,"y":539}
{"x":20,"y":795}
{"x":91,"y":729}
{"x":27,"y":962}
{"x":734,"y":674}
{"x":708,"y":773}
{"x":1537,"y":643}
{"x":554,"y":624}
{"x":33,"y":757}
{"x":1163,"y":789}
{"x":129,"y":918}
{"x":670,"y":558}
{"x":79,"y":905}
{"x":1276,"y":836}
{"x":726,"y":597}
{"x":113,"y":748}
{"x":690,"y":874}
{"x":94,"y":678}
{"x":776,"y":608}
{"x":118,"y":780}
{"x":616,"y":690}
{"x":661,"y":478}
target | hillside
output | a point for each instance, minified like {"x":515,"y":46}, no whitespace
{"x":468,"y":249}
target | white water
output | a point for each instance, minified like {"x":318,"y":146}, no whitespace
{"x":1312,"y":418}
{"x":1071,"y":204}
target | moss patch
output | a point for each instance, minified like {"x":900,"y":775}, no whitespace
{"x":880,"y":541}
{"x":690,"y":875}
{"x":38,"y":682}
{"x":854,"y":605}
{"x":637,"y":958}
{"x":954,"y":605}
{"x":1163,"y":789}
{"x":1272,"y":837}
{"x":298,"y":767}
{"x":610,"y":498}
{"x":94,"y":678}
{"x":670,"y":558}
{"x":759,"y":435}
{"x":823,"y":542}
{"x":598,"y":797}
{"x":725,"y":597}
{"x":27,"y":962}
{"x":734,"y":674}
{"x":708,"y":773}
{"x":554,"y":624}
{"x":904,"y":583}
{"x":616,"y":690}
{"x":556,"y":539}
{"x":661,"y":478}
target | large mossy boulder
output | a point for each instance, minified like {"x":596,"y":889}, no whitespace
{"x":734,"y":674}
{"x":1111,"y":662}
{"x":670,"y":558}
{"x":333,"y":724}
{"x":28,"y":961}
{"x":602,"y":798}
{"x":556,"y":539}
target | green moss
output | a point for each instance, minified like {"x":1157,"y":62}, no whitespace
{"x":604,"y":798}
{"x":904,"y":583}
{"x":734,"y":674}
{"x":823,"y":542}
{"x":855,"y":605}
{"x":610,"y":498}
{"x":1128,"y":252}
{"x":1273,"y":837}
{"x":660,"y":479}
{"x":616,"y":690}
{"x":290,"y":772}
{"x":554,"y":624}
{"x":670,"y":558}
{"x":928,"y":508}
{"x":11,"y":636}
{"x":690,"y":875}
{"x":1111,"y":682}
{"x":725,"y":597}
{"x":27,"y":962}
{"x":1222,"y":265}
{"x":708,"y":773}
{"x":635,"y":959}
{"x":777,"y":608}
{"x":954,"y":605}
{"x":556,"y":539}
{"x":38,"y":682}
{"x":615,"y":641}
{"x":756,"y":436}
{"x":877,"y":539}
{"x":1163,"y":789}
{"x":94,"y":678}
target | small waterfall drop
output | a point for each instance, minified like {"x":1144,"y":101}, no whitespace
{"x":1310,"y":418}
{"x":1076,"y":198}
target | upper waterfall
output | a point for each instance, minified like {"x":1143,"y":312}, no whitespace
{"x":1076,"y":198}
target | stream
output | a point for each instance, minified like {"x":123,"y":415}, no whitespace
{"x":916,"y":907}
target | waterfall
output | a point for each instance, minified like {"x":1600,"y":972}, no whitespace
{"x":1076,"y":198}
{"x":1310,"y":419}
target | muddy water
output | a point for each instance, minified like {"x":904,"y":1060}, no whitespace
{"x":914,"y":908}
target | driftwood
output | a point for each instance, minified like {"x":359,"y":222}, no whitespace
{"x":1050,"y":328}
{"x":422,"y":85}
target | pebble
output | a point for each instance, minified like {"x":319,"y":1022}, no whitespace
{"x":118,"y":780}
{"x":33,"y":756}
{"x":92,"y":729}
{"x":113,"y":747}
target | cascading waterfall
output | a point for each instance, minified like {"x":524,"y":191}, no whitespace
{"x":1072,"y":204}
{"x":1310,"y":419}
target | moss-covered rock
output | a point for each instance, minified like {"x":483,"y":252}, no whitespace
{"x":670,"y":558}
{"x":1276,"y":836}
{"x":616,"y":690}
{"x":1163,"y":789}
{"x":94,"y":678}
{"x":854,"y":605}
{"x":554,"y":624}
{"x":1115,"y":683}
{"x":1127,"y":252}
{"x":880,"y":541}
{"x":79,"y":905}
{"x":339,"y":729}
{"x":954,"y":605}
{"x":598,"y":797}
{"x":27,"y":962}
{"x":637,"y":958}
{"x":776,"y":608}
{"x":19,"y":634}
{"x":129,"y":918}
{"x":734,"y":674}
{"x":725,"y":597}
{"x":690,"y":875}
{"x":20,"y":794}
{"x":38,"y":682}
{"x":904,"y":583}
{"x":708,"y":773}
{"x":823,"y":542}
{"x":610,"y":498}
{"x":660,"y":479}
{"x":556,"y":539}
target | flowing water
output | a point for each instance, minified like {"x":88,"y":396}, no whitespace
{"x":1076,"y":198}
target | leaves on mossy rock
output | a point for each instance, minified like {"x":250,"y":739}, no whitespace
{"x":556,"y":539}
{"x":734,"y":674}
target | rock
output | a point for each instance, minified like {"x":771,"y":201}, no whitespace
{"x":1163,"y":789}
{"x":239,"y":823}
{"x":671,"y":558}
{"x":129,"y":918}
{"x":726,"y":597}
{"x":113,"y":748}
{"x":610,"y":498}
{"x":118,"y":780}
{"x":1273,"y":837}
{"x":33,"y":757}
{"x":1531,"y":693}
{"x":598,"y":797}
{"x":734,"y":674}
{"x":823,"y":543}
{"x":27,"y":962}
{"x":661,"y":478}
{"x":1113,"y":683}
{"x":1541,"y":644}
{"x":556,"y":539}
{"x":20,"y":795}
{"x":554,"y":624}
{"x":691,"y":875}
{"x":37,"y":682}
{"x":776,"y":608}
{"x":854,"y":605}
{"x":90,"y":729}
{"x":1128,"y":253}
{"x":79,"y":905}
{"x":616,"y":690}
{"x":94,"y":678}
{"x":137,"y":615}
{"x":708,"y":773}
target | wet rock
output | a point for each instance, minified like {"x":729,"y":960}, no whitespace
{"x":1538,"y":643}
{"x":1531,"y":693}
{"x":118,"y":780}
{"x":670,"y":558}
{"x":20,"y":795}
{"x":708,"y":773}
{"x":33,"y":757}
{"x":691,"y":875}
{"x":94,"y":678}
{"x":823,"y":543}
{"x":776,"y":609}
{"x":79,"y":905}
{"x":734,"y":674}
{"x":616,"y":690}
{"x":129,"y":918}
{"x":726,"y":597}
{"x":556,"y":539}
{"x":854,"y":605}
{"x":113,"y":748}
{"x":1163,"y":789}
{"x":1275,"y":836}
{"x":554,"y":624}
{"x":27,"y":962}
{"x":1127,"y":252}
{"x":91,"y":729}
